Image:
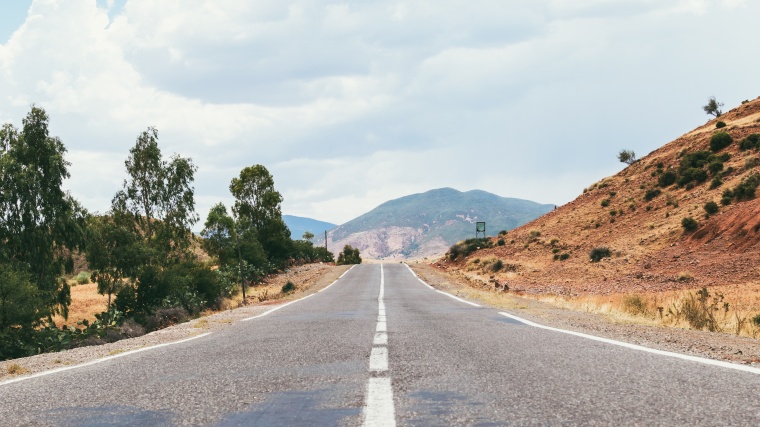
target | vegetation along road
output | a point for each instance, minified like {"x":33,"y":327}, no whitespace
{"x":380,"y":347}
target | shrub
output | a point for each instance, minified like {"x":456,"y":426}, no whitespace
{"x":720,"y":141}
{"x":752,"y":141}
{"x":350,"y":255}
{"x":700,"y":311}
{"x":503,"y":233}
{"x":564,"y":256}
{"x":652,"y":193}
{"x":605,"y":203}
{"x":667,"y":178}
{"x":496,"y":266}
{"x":715,"y":183}
{"x":711,"y":208}
{"x":689,"y":224}
{"x":745,"y":190}
{"x":288,"y":288}
{"x":82,"y":278}
{"x":634,"y":304}
{"x":466,"y":247}
{"x":500,"y":242}
{"x":692,"y":175}
{"x":720,"y":124}
{"x":715,"y":166}
{"x":598,"y":253}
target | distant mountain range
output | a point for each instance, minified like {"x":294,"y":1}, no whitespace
{"x":427,"y":224}
{"x":299,"y":225}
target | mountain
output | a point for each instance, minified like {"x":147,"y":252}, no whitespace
{"x":426,"y":224}
{"x":298,"y":225}
{"x":685,"y":216}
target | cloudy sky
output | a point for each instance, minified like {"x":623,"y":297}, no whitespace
{"x":349,"y":104}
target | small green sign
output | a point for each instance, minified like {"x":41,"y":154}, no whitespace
{"x":480,"y":227}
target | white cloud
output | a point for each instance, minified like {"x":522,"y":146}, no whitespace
{"x":349,"y":104}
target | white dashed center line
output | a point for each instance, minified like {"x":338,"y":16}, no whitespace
{"x":379,"y":410}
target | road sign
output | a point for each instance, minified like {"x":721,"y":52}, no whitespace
{"x":480,"y":227}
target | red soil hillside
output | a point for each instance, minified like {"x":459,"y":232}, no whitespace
{"x":650,"y":249}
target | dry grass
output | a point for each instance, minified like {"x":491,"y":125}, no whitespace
{"x":16,"y":369}
{"x":666,"y":308}
{"x":86,"y":302}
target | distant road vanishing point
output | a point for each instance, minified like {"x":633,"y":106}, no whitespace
{"x":381,"y":348}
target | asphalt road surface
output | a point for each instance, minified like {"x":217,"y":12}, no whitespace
{"x":379,"y":347}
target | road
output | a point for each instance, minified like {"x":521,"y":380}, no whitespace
{"x":379,"y":347}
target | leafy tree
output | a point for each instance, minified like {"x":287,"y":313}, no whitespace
{"x":627,"y":156}
{"x":256,"y":200}
{"x":308,"y":235}
{"x":115,"y":252}
{"x":713,"y":107}
{"x":40,"y":224}
{"x":258,"y":209}
{"x":147,"y":233}
{"x":20,"y":305}
{"x":158,"y":197}
{"x":234,"y":242}
{"x":350,"y":255}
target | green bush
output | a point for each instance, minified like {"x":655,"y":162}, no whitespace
{"x":689,"y":224}
{"x":711,"y":208}
{"x":503,"y":233}
{"x":83,"y":278}
{"x":465,"y":247}
{"x":350,"y":255}
{"x":667,"y":178}
{"x":715,"y":183}
{"x":715,"y":166}
{"x":652,"y":193}
{"x":720,"y":124}
{"x":496,"y":266}
{"x":752,"y":141}
{"x":288,"y":288}
{"x":745,"y":190}
{"x":720,"y":141}
{"x":500,"y":242}
{"x":564,"y":256}
{"x":605,"y":203}
{"x":598,"y":253}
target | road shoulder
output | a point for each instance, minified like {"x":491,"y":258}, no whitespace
{"x":714,"y":345}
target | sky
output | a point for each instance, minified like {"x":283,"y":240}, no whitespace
{"x":351,"y":104}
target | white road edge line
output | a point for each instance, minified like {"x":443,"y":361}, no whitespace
{"x":346,"y":272}
{"x":442,"y":292}
{"x":327,"y":286}
{"x":698,"y":359}
{"x":275,"y":309}
{"x":93,"y":362}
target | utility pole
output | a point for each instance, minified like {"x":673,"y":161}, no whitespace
{"x":325,"y":239}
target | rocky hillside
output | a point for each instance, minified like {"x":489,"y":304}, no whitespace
{"x":684,"y":216}
{"x":426,"y":224}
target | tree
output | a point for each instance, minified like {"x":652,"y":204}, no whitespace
{"x":255,"y":196}
{"x":20,"y":305}
{"x":627,"y":156}
{"x":234,"y":243}
{"x":713,"y":107}
{"x":158,"y":199}
{"x":40,"y":224}
{"x":350,"y":255}
{"x":308,"y":235}
{"x":257,"y":209}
